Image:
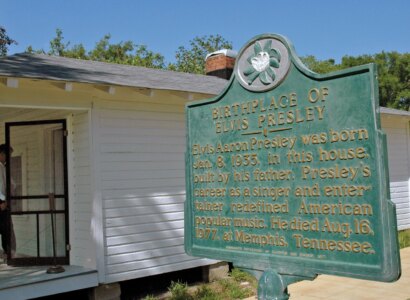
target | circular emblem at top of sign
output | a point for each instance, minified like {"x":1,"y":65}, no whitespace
{"x":263,"y":64}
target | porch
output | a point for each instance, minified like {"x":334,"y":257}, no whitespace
{"x":32,"y":282}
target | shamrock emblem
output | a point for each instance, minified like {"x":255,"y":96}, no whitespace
{"x":262,"y":63}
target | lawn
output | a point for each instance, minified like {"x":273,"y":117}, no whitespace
{"x":404,"y":238}
{"x":238,"y":285}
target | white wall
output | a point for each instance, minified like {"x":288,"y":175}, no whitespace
{"x":143,"y":186}
{"x":142,"y":176}
{"x":79,"y":153}
{"x":397,"y":131}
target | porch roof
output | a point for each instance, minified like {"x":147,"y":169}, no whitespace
{"x":43,"y":66}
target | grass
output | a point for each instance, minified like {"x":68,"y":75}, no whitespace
{"x":179,"y":291}
{"x":150,"y":297}
{"x":404,"y":238}
{"x":238,"y":285}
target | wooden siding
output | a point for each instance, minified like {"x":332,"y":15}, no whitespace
{"x":142,"y":177}
{"x":82,"y":246}
{"x":126,"y":172}
{"x":397,"y":132}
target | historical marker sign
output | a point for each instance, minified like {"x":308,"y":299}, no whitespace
{"x":287,"y":170}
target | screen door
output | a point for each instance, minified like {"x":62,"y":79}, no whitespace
{"x":37,"y":190}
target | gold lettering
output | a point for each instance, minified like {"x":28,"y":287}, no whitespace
{"x":332,"y":245}
{"x":210,"y":192}
{"x":208,"y":206}
{"x":335,"y":209}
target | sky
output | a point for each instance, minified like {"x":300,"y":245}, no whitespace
{"x":323,"y":28}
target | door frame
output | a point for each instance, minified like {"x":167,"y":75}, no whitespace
{"x":29,"y":261}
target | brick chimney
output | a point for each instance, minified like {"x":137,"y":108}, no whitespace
{"x":220,"y":63}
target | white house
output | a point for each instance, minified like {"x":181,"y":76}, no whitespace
{"x":396,"y":125}
{"x":98,"y":150}
{"x":107,"y":143}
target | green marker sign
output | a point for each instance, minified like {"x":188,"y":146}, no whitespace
{"x":287,"y":170}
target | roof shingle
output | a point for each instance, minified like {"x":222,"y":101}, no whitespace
{"x":75,"y":70}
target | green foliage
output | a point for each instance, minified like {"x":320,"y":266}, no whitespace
{"x":404,"y":238}
{"x":192,"y":59}
{"x":57,"y":47}
{"x":239,"y":275}
{"x":234,"y":291}
{"x":324,"y":66}
{"x":393,"y":74}
{"x":393,"y":67}
{"x":150,"y":297}
{"x":206,"y":293}
{"x":179,"y":291}
{"x":126,"y":53}
{"x":229,"y":288}
{"x":5,"y":41}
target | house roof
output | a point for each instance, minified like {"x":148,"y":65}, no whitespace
{"x":397,"y":112}
{"x":43,"y":66}
{"x":58,"y":68}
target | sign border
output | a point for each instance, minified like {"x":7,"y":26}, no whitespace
{"x":389,"y":268}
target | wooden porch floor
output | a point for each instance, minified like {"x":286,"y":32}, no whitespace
{"x":32,"y":282}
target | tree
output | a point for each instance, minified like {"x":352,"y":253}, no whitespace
{"x":113,"y":53}
{"x":192,"y":59}
{"x":5,"y":41}
{"x":126,"y":52}
{"x":393,"y":71}
{"x":146,"y":58}
{"x":393,"y":68}
{"x":322,"y":67}
{"x":59,"y":48}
